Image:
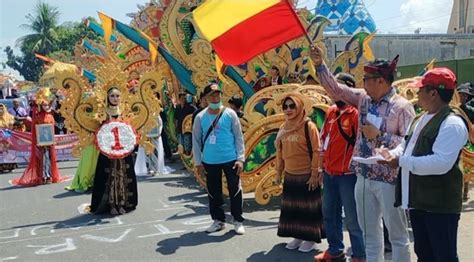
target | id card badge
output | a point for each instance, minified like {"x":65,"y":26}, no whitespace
{"x":212,"y":139}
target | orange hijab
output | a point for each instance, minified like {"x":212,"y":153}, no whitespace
{"x":295,"y":123}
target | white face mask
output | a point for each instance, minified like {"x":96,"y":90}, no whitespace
{"x":215,"y":106}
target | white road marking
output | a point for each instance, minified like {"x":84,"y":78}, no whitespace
{"x":47,"y":250}
{"x":106,"y":239}
{"x":14,"y":235}
{"x":163,"y":231}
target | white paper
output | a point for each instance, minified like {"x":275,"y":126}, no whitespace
{"x":374,"y":120}
{"x":370,"y":160}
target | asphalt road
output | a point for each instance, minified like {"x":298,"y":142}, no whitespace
{"x":43,"y":223}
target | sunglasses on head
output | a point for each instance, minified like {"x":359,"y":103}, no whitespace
{"x":291,"y":106}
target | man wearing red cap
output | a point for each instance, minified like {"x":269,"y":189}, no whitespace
{"x":384,"y":118}
{"x":430,"y":185}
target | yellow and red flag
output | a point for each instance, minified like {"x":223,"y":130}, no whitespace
{"x":239,"y":30}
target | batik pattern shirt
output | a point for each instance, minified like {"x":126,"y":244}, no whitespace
{"x":394,"y":112}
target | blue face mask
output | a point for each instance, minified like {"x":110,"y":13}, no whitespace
{"x":189,"y":99}
{"x":215,"y":106}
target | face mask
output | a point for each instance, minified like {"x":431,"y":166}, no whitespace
{"x":215,"y":106}
{"x":340,"y":104}
{"x":189,"y":99}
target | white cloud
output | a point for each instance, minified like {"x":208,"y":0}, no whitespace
{"x":432,"y":16}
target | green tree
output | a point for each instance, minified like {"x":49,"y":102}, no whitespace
{"x":43,"y":24}
{"x":49,"y":39}
{"x":69,"y":34}
{"x":27,"y":65}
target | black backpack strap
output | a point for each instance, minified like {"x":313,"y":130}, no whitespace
{"x":349,"y":139}
{"x":308,"y":140}
{"x":213,"y":125}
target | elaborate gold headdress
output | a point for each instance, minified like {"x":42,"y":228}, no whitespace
{"x":84,"y":115}
{"x":44,"y":96}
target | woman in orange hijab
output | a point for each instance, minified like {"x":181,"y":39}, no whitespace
{"x":298,"y":147}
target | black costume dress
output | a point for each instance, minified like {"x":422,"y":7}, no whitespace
{"x":115,"y":185}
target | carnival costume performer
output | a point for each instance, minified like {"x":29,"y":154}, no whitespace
{"x":156,"y":160}
{"x":111,"y":118}
{"x":6,"y":119}
{"x":115,"y":183}
{"x":84,"y":177}
{"x":42,"y":167}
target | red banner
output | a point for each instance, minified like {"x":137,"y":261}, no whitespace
{"x":15,"y":146}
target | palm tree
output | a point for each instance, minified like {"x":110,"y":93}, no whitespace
{"x":43,"y":24}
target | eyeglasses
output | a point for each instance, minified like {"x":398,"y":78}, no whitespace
{"x":291,"y":106}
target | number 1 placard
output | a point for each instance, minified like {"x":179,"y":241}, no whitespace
{"x":116,"y":139}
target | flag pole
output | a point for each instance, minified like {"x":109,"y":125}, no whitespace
{"x":306,"y":34}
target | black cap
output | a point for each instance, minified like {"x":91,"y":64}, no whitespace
{"x":466,"y":88}
{"x":348,"y":79}
{"x":236,"y":101}
{"x":211,"y":88}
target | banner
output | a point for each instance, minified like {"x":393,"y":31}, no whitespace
{"x":15,"y":146}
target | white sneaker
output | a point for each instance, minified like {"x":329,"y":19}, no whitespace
{"x":239,"y":228}
{"x":294,"y":244}
{"x":216,"y":226}
{"x":307,"y":246}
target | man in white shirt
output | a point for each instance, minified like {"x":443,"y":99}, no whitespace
{"x":430,"y":184}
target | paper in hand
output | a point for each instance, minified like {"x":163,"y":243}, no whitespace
{"x":370,"y":160}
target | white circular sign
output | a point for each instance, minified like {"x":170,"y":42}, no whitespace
{"x":116,"y":139}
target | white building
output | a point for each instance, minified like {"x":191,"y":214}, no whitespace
{"x":462,"y":17}
{"x":412,"y":48}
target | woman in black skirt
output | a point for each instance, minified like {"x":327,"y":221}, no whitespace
{"x":298,"y":147}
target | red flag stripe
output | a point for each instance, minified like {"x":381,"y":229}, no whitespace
{"x":261,"y":32}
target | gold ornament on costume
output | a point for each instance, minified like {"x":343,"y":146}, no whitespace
{"x":84,"y":115}
{"x":44,"y":96}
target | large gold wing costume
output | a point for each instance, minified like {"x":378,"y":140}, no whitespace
{"x":84,"y":109}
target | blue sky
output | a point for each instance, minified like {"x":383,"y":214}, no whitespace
{"x":391,"y":16}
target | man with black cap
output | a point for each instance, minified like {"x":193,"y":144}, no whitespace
{"x":218,"y":146}
{"x":466,"y":94}
{"x":384,"y":118}
{"x":182,"y":110}
{"x":430,"y":185}
{"x":339,"y":135}
{"x":202,"y":105}
{"x":235,"y":102}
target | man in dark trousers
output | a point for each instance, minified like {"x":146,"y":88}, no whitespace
{"x":430,"y":182}
{"x":339,"y":136}
{"x":183,"y":109}
{"x":218,"y":146}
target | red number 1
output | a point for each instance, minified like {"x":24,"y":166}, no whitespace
{"x":117,"y":145}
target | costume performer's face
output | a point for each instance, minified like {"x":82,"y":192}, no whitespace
{"x":45,"y":107}
{"x":114,"y":97}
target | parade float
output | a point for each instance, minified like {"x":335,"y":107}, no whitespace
{"x":162,"y":39}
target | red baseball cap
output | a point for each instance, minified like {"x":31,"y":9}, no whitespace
{"x":440,"y":77}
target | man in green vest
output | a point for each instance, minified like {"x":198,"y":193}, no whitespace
{"x":430,"y":181}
